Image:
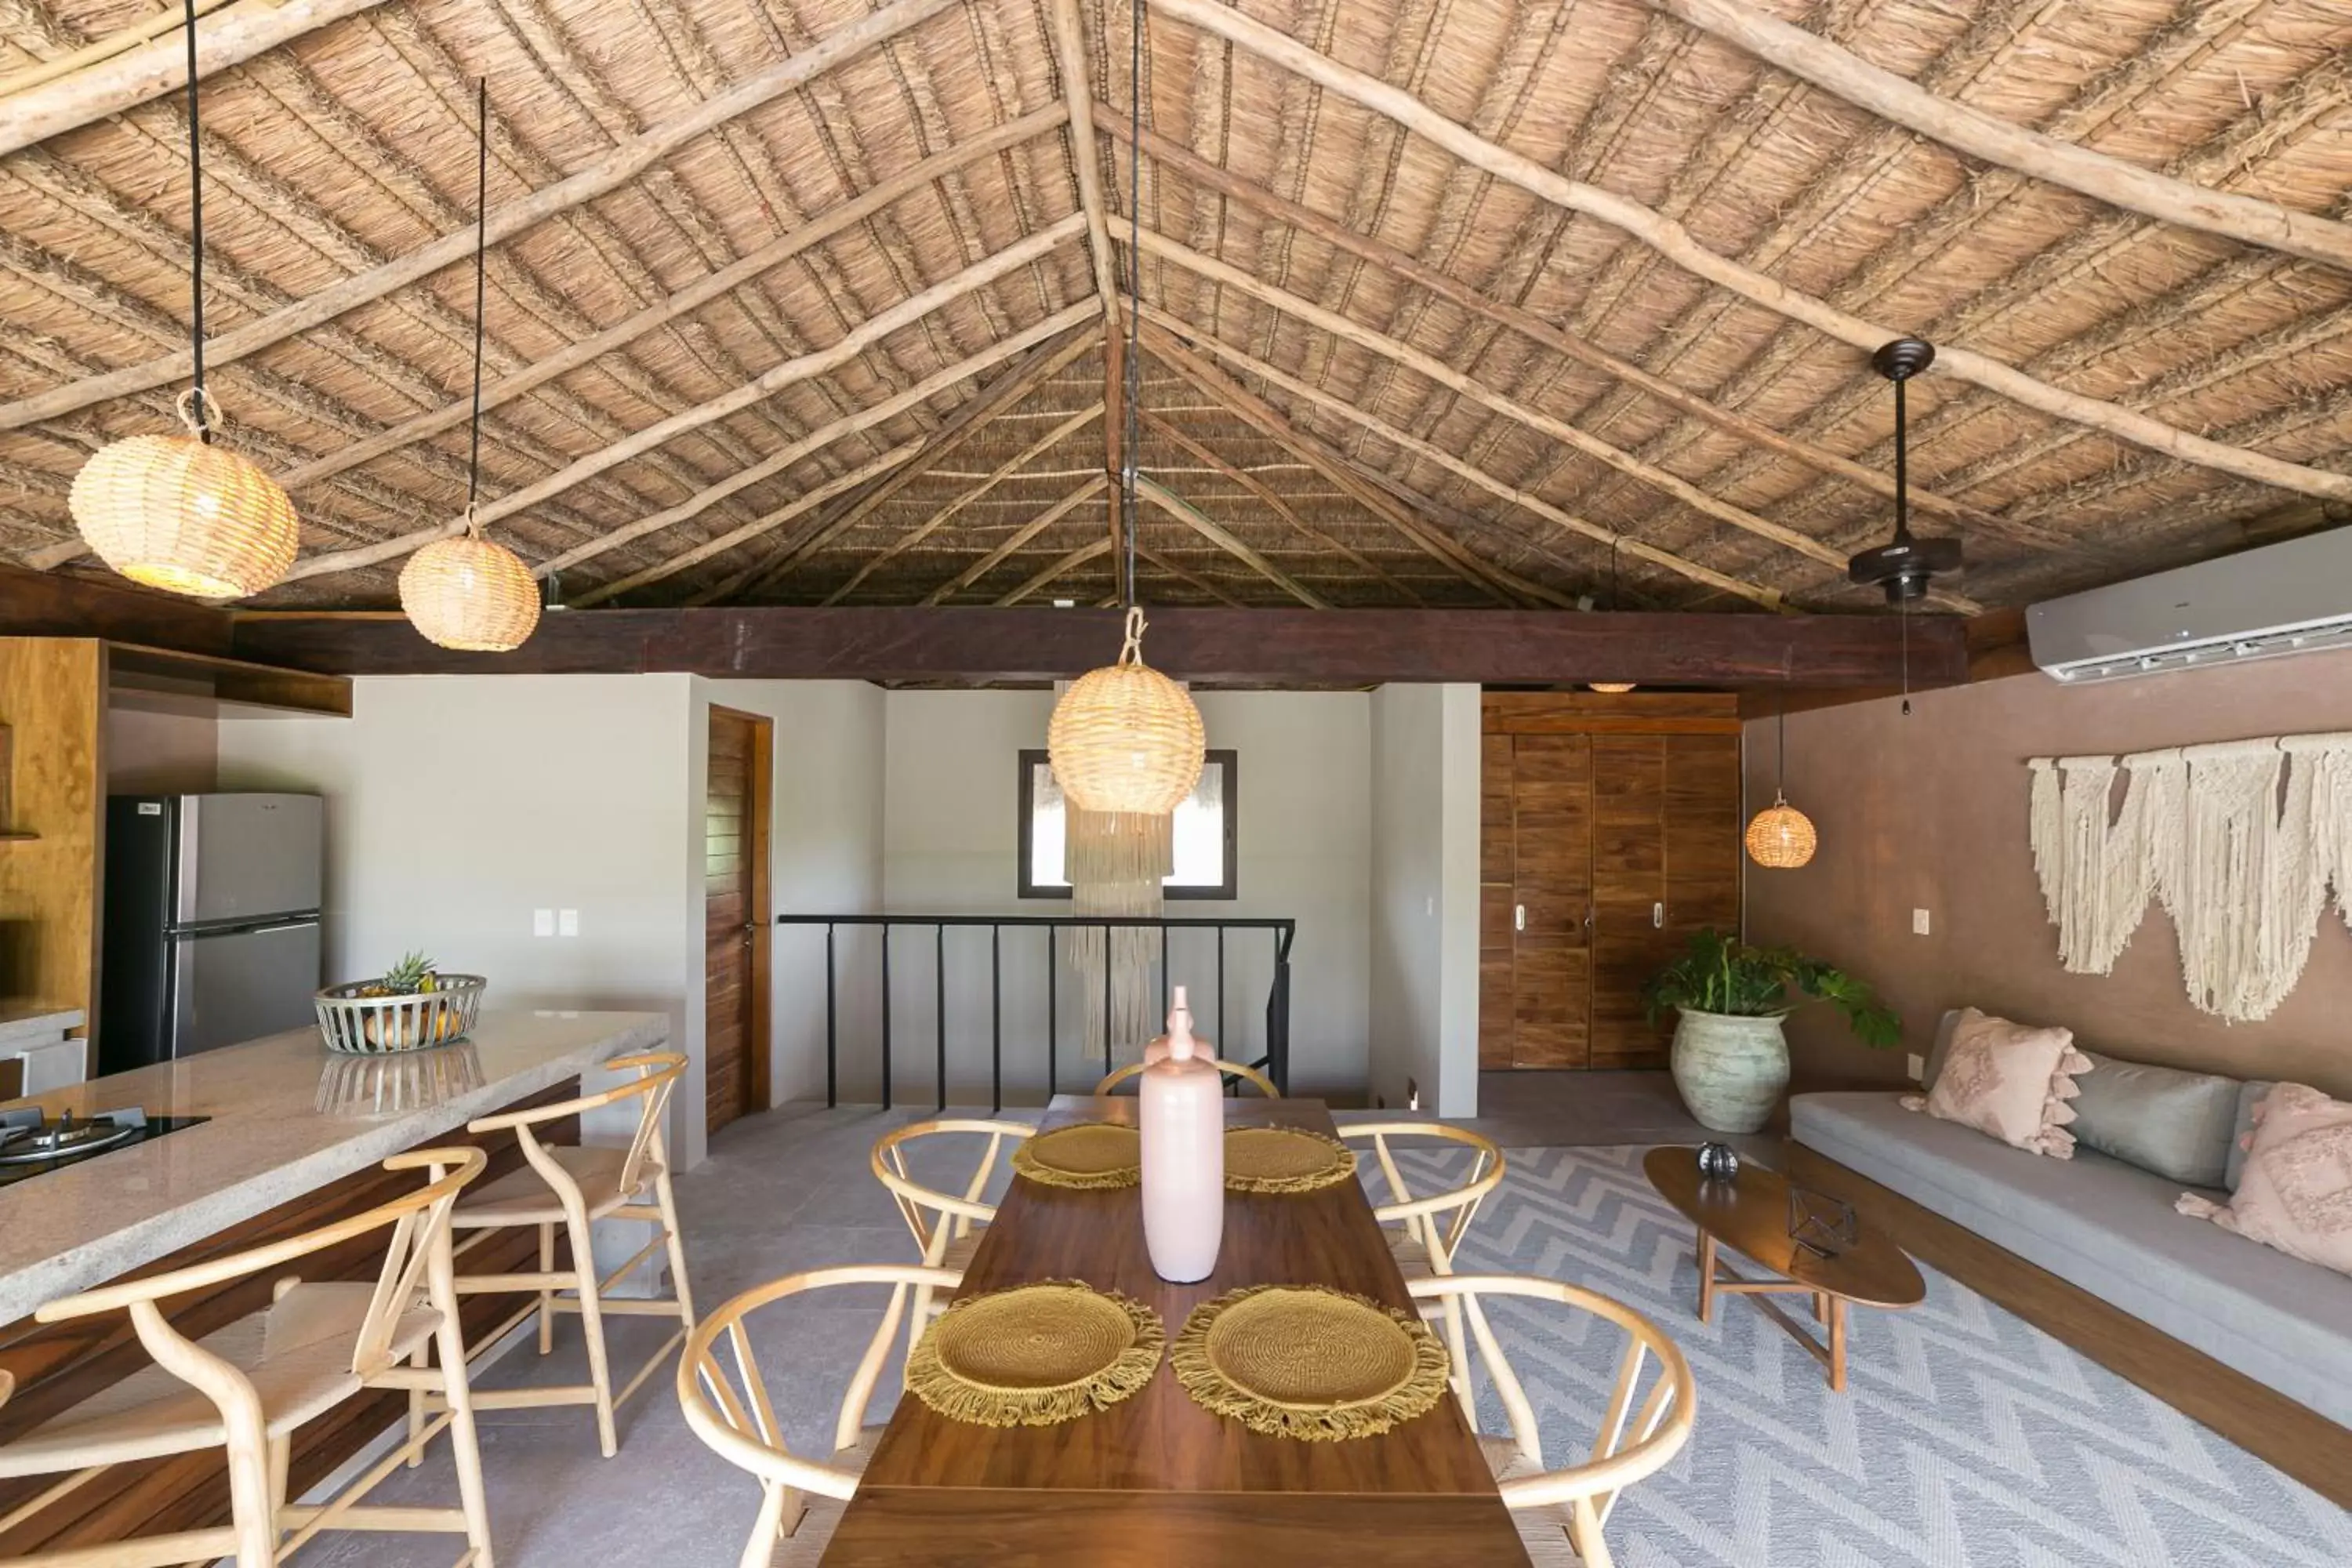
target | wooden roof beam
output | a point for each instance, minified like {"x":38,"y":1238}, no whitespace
{"x":123,"y":78}
{"x":1437,"y":454}
{"x":1674,"y":242}
{"x":1191,"y":579}
{"x":616,"y":169}
{"x":1078,"y":97}
{"x":1076,"y":558}
{"x":1093,"y":486}
{"x":1387,"y":257}
{"x":766,"y":385}
{"x":2248,"y":220}
{"x":1199,"y":523}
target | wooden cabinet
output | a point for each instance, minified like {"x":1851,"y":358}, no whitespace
{"x":1609,"y":832}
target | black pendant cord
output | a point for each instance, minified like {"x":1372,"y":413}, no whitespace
{"x":1780,"y":724}
{"x":202,"y":422}
{"x":1902,"y":467}
{"x":1613,"y":544}
{"x":481,"y":285}
{"x":1132,"y":371}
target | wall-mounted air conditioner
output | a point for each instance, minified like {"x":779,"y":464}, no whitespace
{"x":2291,"y":597}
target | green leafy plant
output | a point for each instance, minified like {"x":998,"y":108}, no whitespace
{"x":1719,"y":974}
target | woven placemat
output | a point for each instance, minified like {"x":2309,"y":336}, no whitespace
{"x":1035,"y":1354}
{"x":1309,"y":1362}
{"x":1085,"y":1154}
{"x":1285,"y":1160}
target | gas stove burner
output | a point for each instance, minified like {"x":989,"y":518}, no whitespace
{"x":63,"y":1139}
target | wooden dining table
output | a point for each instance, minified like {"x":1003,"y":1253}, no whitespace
{"x":1157,"y":1482}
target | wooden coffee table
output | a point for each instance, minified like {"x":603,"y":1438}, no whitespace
{"x":1749,"y":1215}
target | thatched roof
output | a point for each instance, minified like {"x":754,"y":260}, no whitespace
{"x":805,"y":300}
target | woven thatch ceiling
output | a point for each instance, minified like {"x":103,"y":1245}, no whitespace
{"x":803,"y":301}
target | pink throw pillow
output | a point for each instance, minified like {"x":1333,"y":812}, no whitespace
{"x":2296,"y":1192}
{"x":2009,"y":1081}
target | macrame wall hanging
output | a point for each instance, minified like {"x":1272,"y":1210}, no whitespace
{"x":2240,"y":842}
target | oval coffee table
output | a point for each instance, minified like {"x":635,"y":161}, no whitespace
{"x":1749,"y":1215}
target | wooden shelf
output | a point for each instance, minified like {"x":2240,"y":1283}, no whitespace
{"x":235,"y":680}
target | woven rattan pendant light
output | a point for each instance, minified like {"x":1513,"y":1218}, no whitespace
{"x":1781,"y":837}
{"x":1124,"y":738}
{"x":177,"y":513}
{"x":1614,"y":688}
{"x":470,"y":592}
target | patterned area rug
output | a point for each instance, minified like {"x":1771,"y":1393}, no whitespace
{"x":1970,"y":1438}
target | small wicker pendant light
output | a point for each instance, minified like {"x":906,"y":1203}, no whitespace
{"x":1781,"y":837}
{"x":1614,"y":688}
{"x":177,"y":513}
{"x":1124,"y":738}
{"x":470,"y":592}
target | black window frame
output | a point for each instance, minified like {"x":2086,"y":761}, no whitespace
{"x":1224,"y":758}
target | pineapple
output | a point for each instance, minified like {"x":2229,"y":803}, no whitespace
{"x":414,"y":975}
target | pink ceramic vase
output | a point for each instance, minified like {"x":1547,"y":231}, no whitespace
{"x":1183,"y":1131}
{"x":1180,"y":1020}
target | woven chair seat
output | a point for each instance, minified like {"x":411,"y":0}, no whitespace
{"x":822,"y":1515}
{"x":1411,"y":1257}
{"x":1542,"y":1531}
{"x":296,"y":1354}
{"x":523,"y":1197}
{"x":959,"y":1252}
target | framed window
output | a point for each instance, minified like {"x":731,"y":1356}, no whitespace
{"x":1204,"y":832}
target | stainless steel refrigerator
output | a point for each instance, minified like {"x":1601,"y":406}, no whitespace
{"x":212,"y":922}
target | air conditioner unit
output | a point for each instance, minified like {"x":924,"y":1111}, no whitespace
{"x":2290,"y":598}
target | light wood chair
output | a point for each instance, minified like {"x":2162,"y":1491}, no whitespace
{"x":1433,"y":1224}
{"x":946,"y":1226}
{"x":571,"y":1186}
{"x":246,"y":1387}
{"x":1248,"y":1075}
{"x":800,"y":1500}
{"x":1561,"y":1513}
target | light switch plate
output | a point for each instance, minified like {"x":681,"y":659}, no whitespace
{"x":543,"y":922}
{"x":1918,"y":1065}
{"x":1919,"y":922}
{"x":567,"y":922}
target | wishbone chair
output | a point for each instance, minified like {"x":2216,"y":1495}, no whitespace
{"x":1249,"y":1074}
{"x":946,"y":1226}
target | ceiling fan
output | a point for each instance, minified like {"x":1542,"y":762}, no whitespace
{"x":1906,"y":563}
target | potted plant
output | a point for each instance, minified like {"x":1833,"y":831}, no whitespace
{"x":1730,"y":1058}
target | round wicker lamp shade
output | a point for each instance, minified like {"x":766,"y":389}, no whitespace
{"x":175,"y":513}
{"x":1781,"y":837}
{"x":1124,"y":738}
{"x":470,"y":593}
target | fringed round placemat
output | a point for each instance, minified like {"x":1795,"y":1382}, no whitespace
{"x":1085,"y":1154}
{"x":1035,"y":1354}
{"x":1307,"y":1361}
{"x":1285,"y":1160}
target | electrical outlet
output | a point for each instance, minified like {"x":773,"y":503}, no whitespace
{"x":567,"y":922}
{"x":543,"y":922}
{"x":1919,"y":922}
{"x":1918,"y":1066}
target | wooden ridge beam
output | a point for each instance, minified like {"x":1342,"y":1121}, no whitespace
{"x":1087,"y":489}
{"x":1479,"y":476}
{"x":1076,"y":558}
{"x":766,"y":385}
{"x":1290,"y":647}
{"x":1674,"y":242}
{"x":2248,"y":220}
{"x":126,"y":77}
{"x":1387,"y":257}
{"x":1199,"y":523}
{"x":1063,"y":23}
{"x":617,"y":168}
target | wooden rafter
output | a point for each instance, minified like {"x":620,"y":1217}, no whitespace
{"x":1076,"y":558}
{"x":2249,"y":219}
{"x":1199,"y":523}
{"x":125,"y":79}
{"x":1091,"y":486}
{"x":617,"y":168}
{"x":767,"y":384}
{"x":1077,"y":96}
{"x":1191,"y":579}
{"x":1453,"y":465}
{"x":1536,"y":329}
{"x":1677,"y":243}
{"x":940,"y":519}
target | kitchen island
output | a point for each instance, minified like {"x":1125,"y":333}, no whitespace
{"x":295,"y":1139}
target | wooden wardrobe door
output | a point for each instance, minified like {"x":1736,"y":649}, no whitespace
{"x":1629,"y":895}
{"x":1551,"y":807}
{"x":1702,"y":826}
{"x":1497,"y":985}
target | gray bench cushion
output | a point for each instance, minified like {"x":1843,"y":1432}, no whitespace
{"x":2108,"y":1228}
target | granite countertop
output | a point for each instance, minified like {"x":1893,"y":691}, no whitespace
{"x":23,"y":1022}
{"x":288,"y":1117}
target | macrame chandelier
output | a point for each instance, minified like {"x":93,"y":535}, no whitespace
{"x":1781,"y":837}
{"x":470,"y":592}
{"x":177,"y":513}
{"x":1614,"y":688}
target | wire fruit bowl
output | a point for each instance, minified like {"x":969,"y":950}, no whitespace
{"x":362,"y":1025}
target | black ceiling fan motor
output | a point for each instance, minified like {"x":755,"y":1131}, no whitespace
{"x":1906,"y":563}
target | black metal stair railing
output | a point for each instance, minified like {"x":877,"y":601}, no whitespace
{"x":1275,"y":1062}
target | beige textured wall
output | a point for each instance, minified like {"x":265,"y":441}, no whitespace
{"x":1929,"y":812}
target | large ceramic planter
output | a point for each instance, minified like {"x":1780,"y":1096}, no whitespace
{"x":1731,"y":1071}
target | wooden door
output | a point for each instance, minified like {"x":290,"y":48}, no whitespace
{"x":736,"y":917}
{"x":1703,"y":829}
{"x":1551,"y":878}
{"x":1498,"y":971}
{"x":1629,"y":894}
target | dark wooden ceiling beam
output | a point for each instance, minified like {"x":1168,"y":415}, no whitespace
{"x":1281,"y":648}
{"x":54,"y":604}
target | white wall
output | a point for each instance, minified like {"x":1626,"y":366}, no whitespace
{"x":161,"y":742}
{"x":1424,"y":898}
{"x":951,"y":835}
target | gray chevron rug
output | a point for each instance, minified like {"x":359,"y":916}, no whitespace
{"x":1968,"y":1437}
